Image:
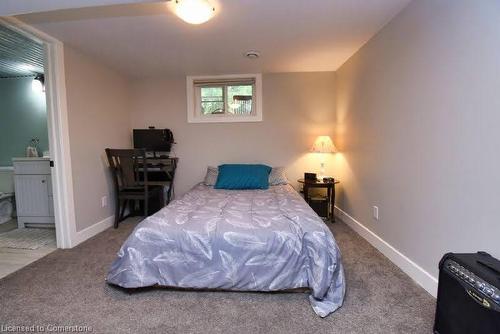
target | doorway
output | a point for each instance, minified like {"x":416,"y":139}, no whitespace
{"x":27,"y":222}
{"x":36,"y":192}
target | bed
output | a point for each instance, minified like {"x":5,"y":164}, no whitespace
{"x":242,"y":240}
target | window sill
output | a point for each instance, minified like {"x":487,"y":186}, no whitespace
{"x":225,"y":119}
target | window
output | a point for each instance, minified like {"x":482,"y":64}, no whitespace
{"x":228,"y":98}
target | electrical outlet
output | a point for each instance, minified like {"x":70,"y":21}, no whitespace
{"x":375,"y":212}
{"x":104,"y":201}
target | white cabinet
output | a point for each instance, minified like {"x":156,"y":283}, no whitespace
{"x":33,"y":184}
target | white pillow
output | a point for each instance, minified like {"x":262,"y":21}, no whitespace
{"x":211,"y":176}
{"x":277,"y":176}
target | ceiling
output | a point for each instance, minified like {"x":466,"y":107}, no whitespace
{"x":148,"y":40}
{"x":17,"y":7}
{"x":19,"y":55}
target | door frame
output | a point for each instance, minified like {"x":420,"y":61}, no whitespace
{"x":58,"y":129}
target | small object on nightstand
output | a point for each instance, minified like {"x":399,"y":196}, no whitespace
{"x":328,"y":179}
{"x":314,"y":202}
{"x":310,"y":176}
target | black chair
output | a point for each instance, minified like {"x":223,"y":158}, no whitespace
{"x":130,"y":174}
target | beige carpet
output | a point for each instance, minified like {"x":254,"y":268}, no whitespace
{"x":67,"y":288}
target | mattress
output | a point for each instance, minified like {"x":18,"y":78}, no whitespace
{"x":243,"y":240}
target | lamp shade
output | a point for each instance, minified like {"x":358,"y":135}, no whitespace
{"x":323,"y":144}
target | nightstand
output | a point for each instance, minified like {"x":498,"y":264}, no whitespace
{"x":330,"y":194}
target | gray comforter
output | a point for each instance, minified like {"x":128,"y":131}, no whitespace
{"x":249,"y":240}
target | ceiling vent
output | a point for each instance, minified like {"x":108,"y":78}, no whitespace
{"x":252,"y":54}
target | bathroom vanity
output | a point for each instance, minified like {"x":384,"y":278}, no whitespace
{"x":33,"y":186}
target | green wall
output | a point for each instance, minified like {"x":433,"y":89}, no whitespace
{"x":23,"y":115}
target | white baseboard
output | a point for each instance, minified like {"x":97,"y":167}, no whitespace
{"x":90,"y":231}
{"x":417,"y":273}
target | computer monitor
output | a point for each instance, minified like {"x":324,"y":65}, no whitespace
{"x":153,"y":140}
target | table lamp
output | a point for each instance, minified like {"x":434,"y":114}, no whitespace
{"x":323,"y":145}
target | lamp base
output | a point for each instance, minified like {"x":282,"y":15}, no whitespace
{"x":322,"y":171}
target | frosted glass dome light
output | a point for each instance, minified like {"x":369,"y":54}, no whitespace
{"x":194,"y":11}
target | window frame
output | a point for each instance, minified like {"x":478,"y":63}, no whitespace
{"x":198,"y":101}
{"x":194,"y":114}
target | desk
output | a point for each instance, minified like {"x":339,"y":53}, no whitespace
{"x":161,"y":172}
{"x":330,"y":193}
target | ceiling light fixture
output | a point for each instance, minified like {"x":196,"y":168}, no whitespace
{"x":194,"y":11}
{"x":38,"y":83}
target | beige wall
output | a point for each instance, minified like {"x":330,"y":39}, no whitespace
{"x":98,"y":115}
{"x":414,"y":114}
{"x":296,"y":108}
{"x":418,"y":117}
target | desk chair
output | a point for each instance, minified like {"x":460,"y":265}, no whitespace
{"x":130,"y":175}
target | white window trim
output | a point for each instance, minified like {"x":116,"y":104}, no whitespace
{"x":192,"y":115}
